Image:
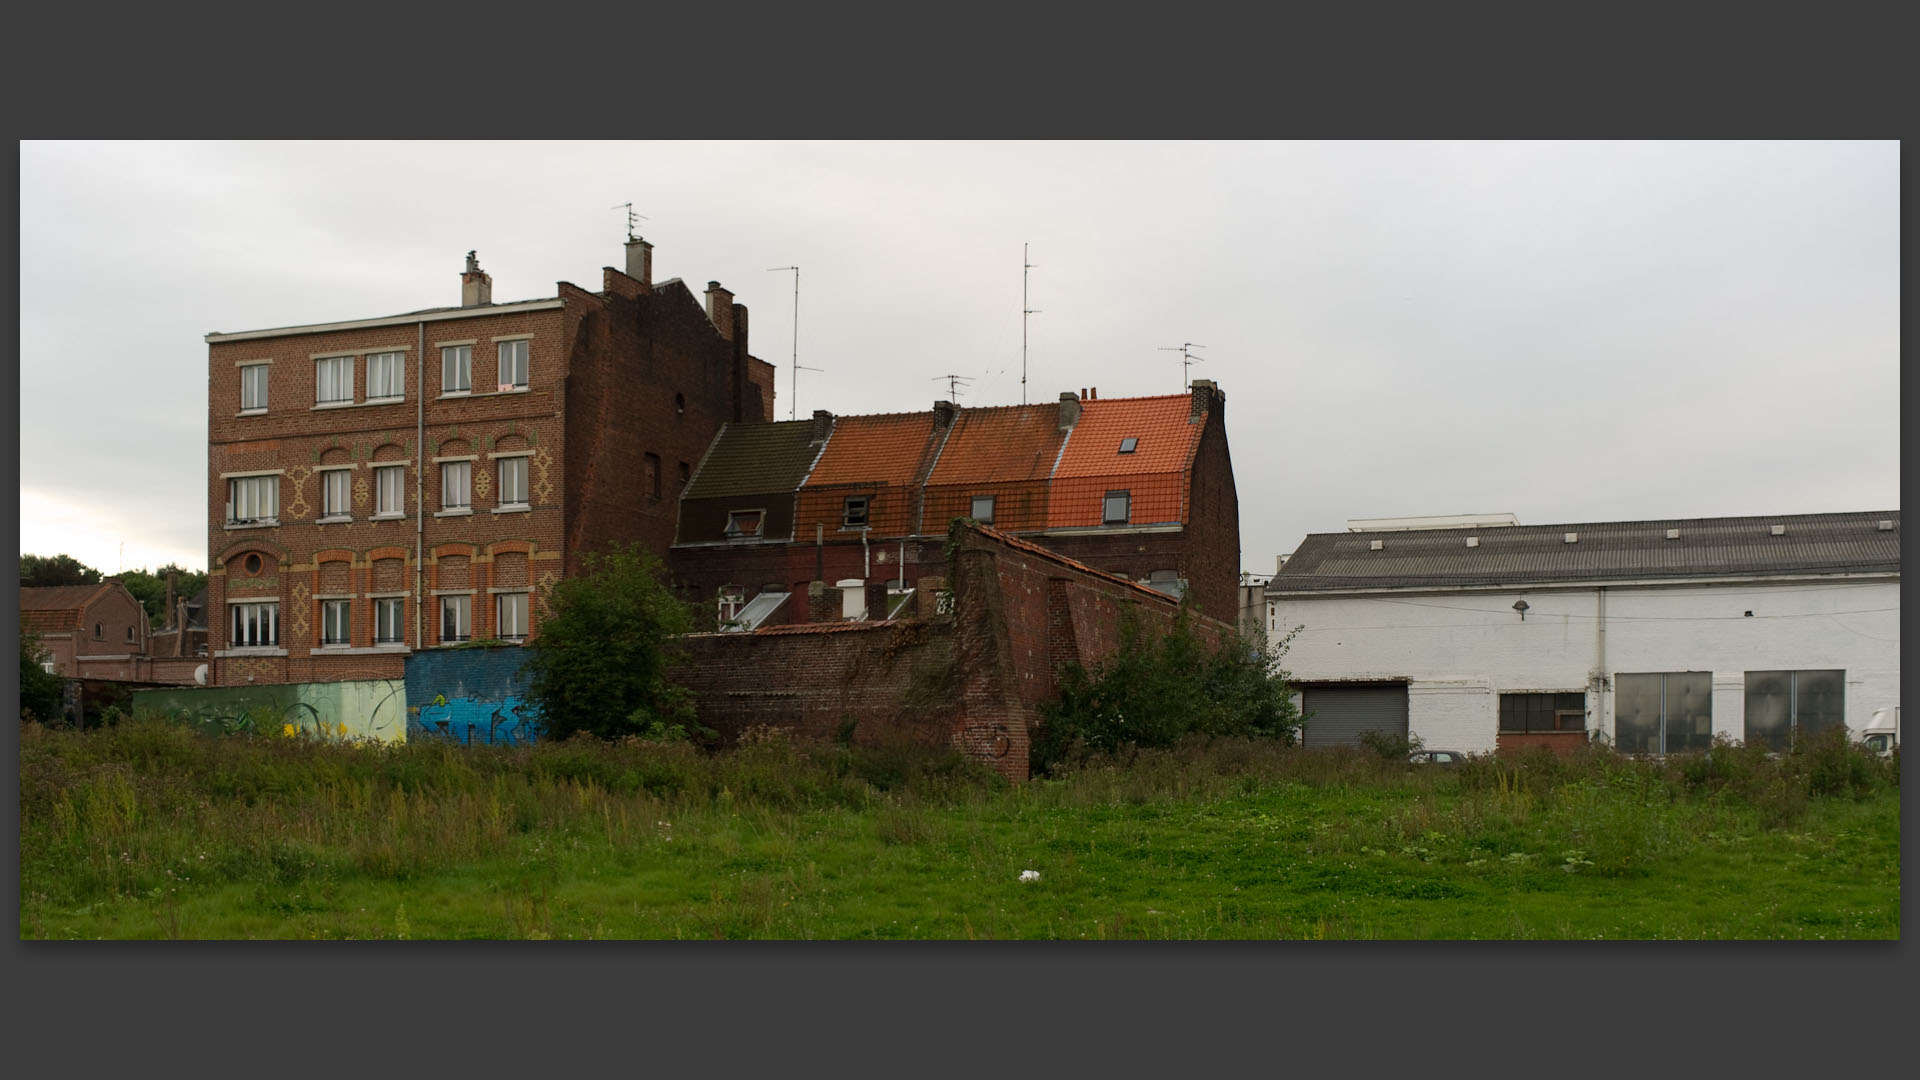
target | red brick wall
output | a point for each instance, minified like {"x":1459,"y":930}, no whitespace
{"x":1560,"y":742}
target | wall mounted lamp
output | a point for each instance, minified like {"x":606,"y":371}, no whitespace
{"x":1521,"y":607}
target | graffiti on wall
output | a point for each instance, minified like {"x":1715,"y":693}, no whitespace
{"x":371,"y":710}
{"x":468,"y":721}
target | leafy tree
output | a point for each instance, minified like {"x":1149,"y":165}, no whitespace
{"x":601,"y":659}
{"x":40,"y":690}
{"x":38,"y":571}
{"x":151,"y":588}
{"x":1155,"y":691}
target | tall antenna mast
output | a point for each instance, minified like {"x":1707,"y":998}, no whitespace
{"x":1187,"y":360}
{"x":1024,"y":312}
{"x":793,"y":399}
{"x":953,"y":385}
{"x":633,"y":219}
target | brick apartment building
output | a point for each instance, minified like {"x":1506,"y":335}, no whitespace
{"x":381,"y":485}
{"x":1138,"y":487}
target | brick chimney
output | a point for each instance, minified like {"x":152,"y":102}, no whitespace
{"x":1069,"y":410}
{"x":1206,"y":398}
{"x":476,"y":288}
{"x":822,"y":425}
{"x":720,"y":309}
{"x":943,"y":414}
{"x":640,"y":261}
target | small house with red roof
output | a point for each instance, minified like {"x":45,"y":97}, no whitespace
{"x":97,"y":632}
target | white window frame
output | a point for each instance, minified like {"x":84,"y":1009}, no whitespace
{"x":257,"y":493}
{"x":335,"y":373}
{"x":461,"y":605}
{"x":456,"y":478}
{"x":389,"y":617}
{"x":253,"y":387}
{"x":336,"y":486}
{"x":516,"y":364}
{"x":387,"y":376}
{"x":389,"y":480}
{"x":514,"y":469}
{"x":456,"y":360}
{"x":259,"y":619}
{"x":510,"y":611}
{"x":336,"y":618}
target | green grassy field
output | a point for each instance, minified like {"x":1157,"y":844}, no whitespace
{"x":152,"y":831}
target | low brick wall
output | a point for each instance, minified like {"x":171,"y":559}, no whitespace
{"x":1560,"y":742}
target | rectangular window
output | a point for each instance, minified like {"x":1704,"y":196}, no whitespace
{"x":335,"y":494}
{"x":333,"y":621}
{"x":456,"y":618}
{"x":651,"y":479}
{"x":253,"y":387}
{"x":744,"y":522}
{"x":456,"y":369}
{"x":386,"y":621}
{"x":333,"y":380}
{"x":389,"y":487}
{"x":853,"y":513}
{"x":386,"y":376}
{"x":1785,"y":705}
{"x":513,"y":364}
{"x":511,"y":615}
{"x":253,"y":500}
{"x":1115,"y":508}
{"x":455,"y":485}
{"x":1663,"y":712}
{"x":513,"y":481}
{"x":983,"y":509}
{"x":255,"y":625}
{"x":1521,"y":713}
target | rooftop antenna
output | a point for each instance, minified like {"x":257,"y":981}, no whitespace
{"x":633,"y":219}
{"x":793,"y":399}
{"x":1024,"y":312}
{"x":953,"y":385}
{"x":1187,"y":360}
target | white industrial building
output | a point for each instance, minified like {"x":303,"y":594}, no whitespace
{"x":1476,"y":633}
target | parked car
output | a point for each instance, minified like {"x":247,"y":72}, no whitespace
{"x":1436,"y":757}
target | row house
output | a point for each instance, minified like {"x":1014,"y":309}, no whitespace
{"x":377,"y":486}
{"x":1139,"y":487}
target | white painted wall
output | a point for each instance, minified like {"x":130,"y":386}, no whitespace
{"x":1460,"y":650}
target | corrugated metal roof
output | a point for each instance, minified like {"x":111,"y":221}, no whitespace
{"x":755,"y":459}
{"x":1602,"y":551}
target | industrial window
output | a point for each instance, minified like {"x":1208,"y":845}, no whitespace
{"x":744,"y":522}
{"x":455,"y":486}
{"x":1543,"y":712}
{"x":853,"y":513}
{"x":513,"y":364}
{"x":513,"y":481}
{"x":1115,"y":508}
{"x":335,"y":495}
{"x":333,"y":621}
{"x":255,"y":625}
{"x":1663,"y":712}
{"x":511,"y":615}
{"x":456,"y":369}
{"x":253,"y":387}
{"x":253,"y":500}
{"x":1129,"y":444}
{"x":386,"y":376}
{"x":333,"y":380}
{"x":1785,"y":705}
{"x":983,"y":509}
{"x":651,"y":464}
{"x":456,"y":618}
{"x":386,"y":620}
{"x":389,"y":485}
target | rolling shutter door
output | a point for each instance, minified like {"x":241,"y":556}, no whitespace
{"x":1341,"y":713}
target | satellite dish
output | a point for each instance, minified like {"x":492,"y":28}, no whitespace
{"x":200,"y":675}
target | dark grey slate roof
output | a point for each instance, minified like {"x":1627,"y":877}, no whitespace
{"x":755,"y":459}
{"x":1605,"y":550}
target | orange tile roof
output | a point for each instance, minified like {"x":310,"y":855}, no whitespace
{"x":1018,"y":442}
{"x":884,"y":449}
{"x":1166,"y":439}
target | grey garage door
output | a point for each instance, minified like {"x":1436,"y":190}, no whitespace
{"x":1341,"y":713}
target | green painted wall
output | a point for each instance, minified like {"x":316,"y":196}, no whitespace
{"x":373,"y":709}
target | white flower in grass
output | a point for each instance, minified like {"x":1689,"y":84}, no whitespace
{"x":1029,"y":875}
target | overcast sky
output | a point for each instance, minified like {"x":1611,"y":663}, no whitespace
{"x":1569,"y":332}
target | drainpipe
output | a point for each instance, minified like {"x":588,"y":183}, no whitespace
{"x":419,"y":486}
{"x":903,"y":566}
{"x":866,"y":557}
{"x":1600,"y":660}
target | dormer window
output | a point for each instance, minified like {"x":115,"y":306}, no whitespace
{"x":1115,"y":508}
{"x":983,"y":509}
{"x":744,"y":523}
{"x":853,"y":514}
{"x":1128,"y":444}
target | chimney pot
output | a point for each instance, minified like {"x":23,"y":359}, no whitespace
{"x":476,"y":287}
